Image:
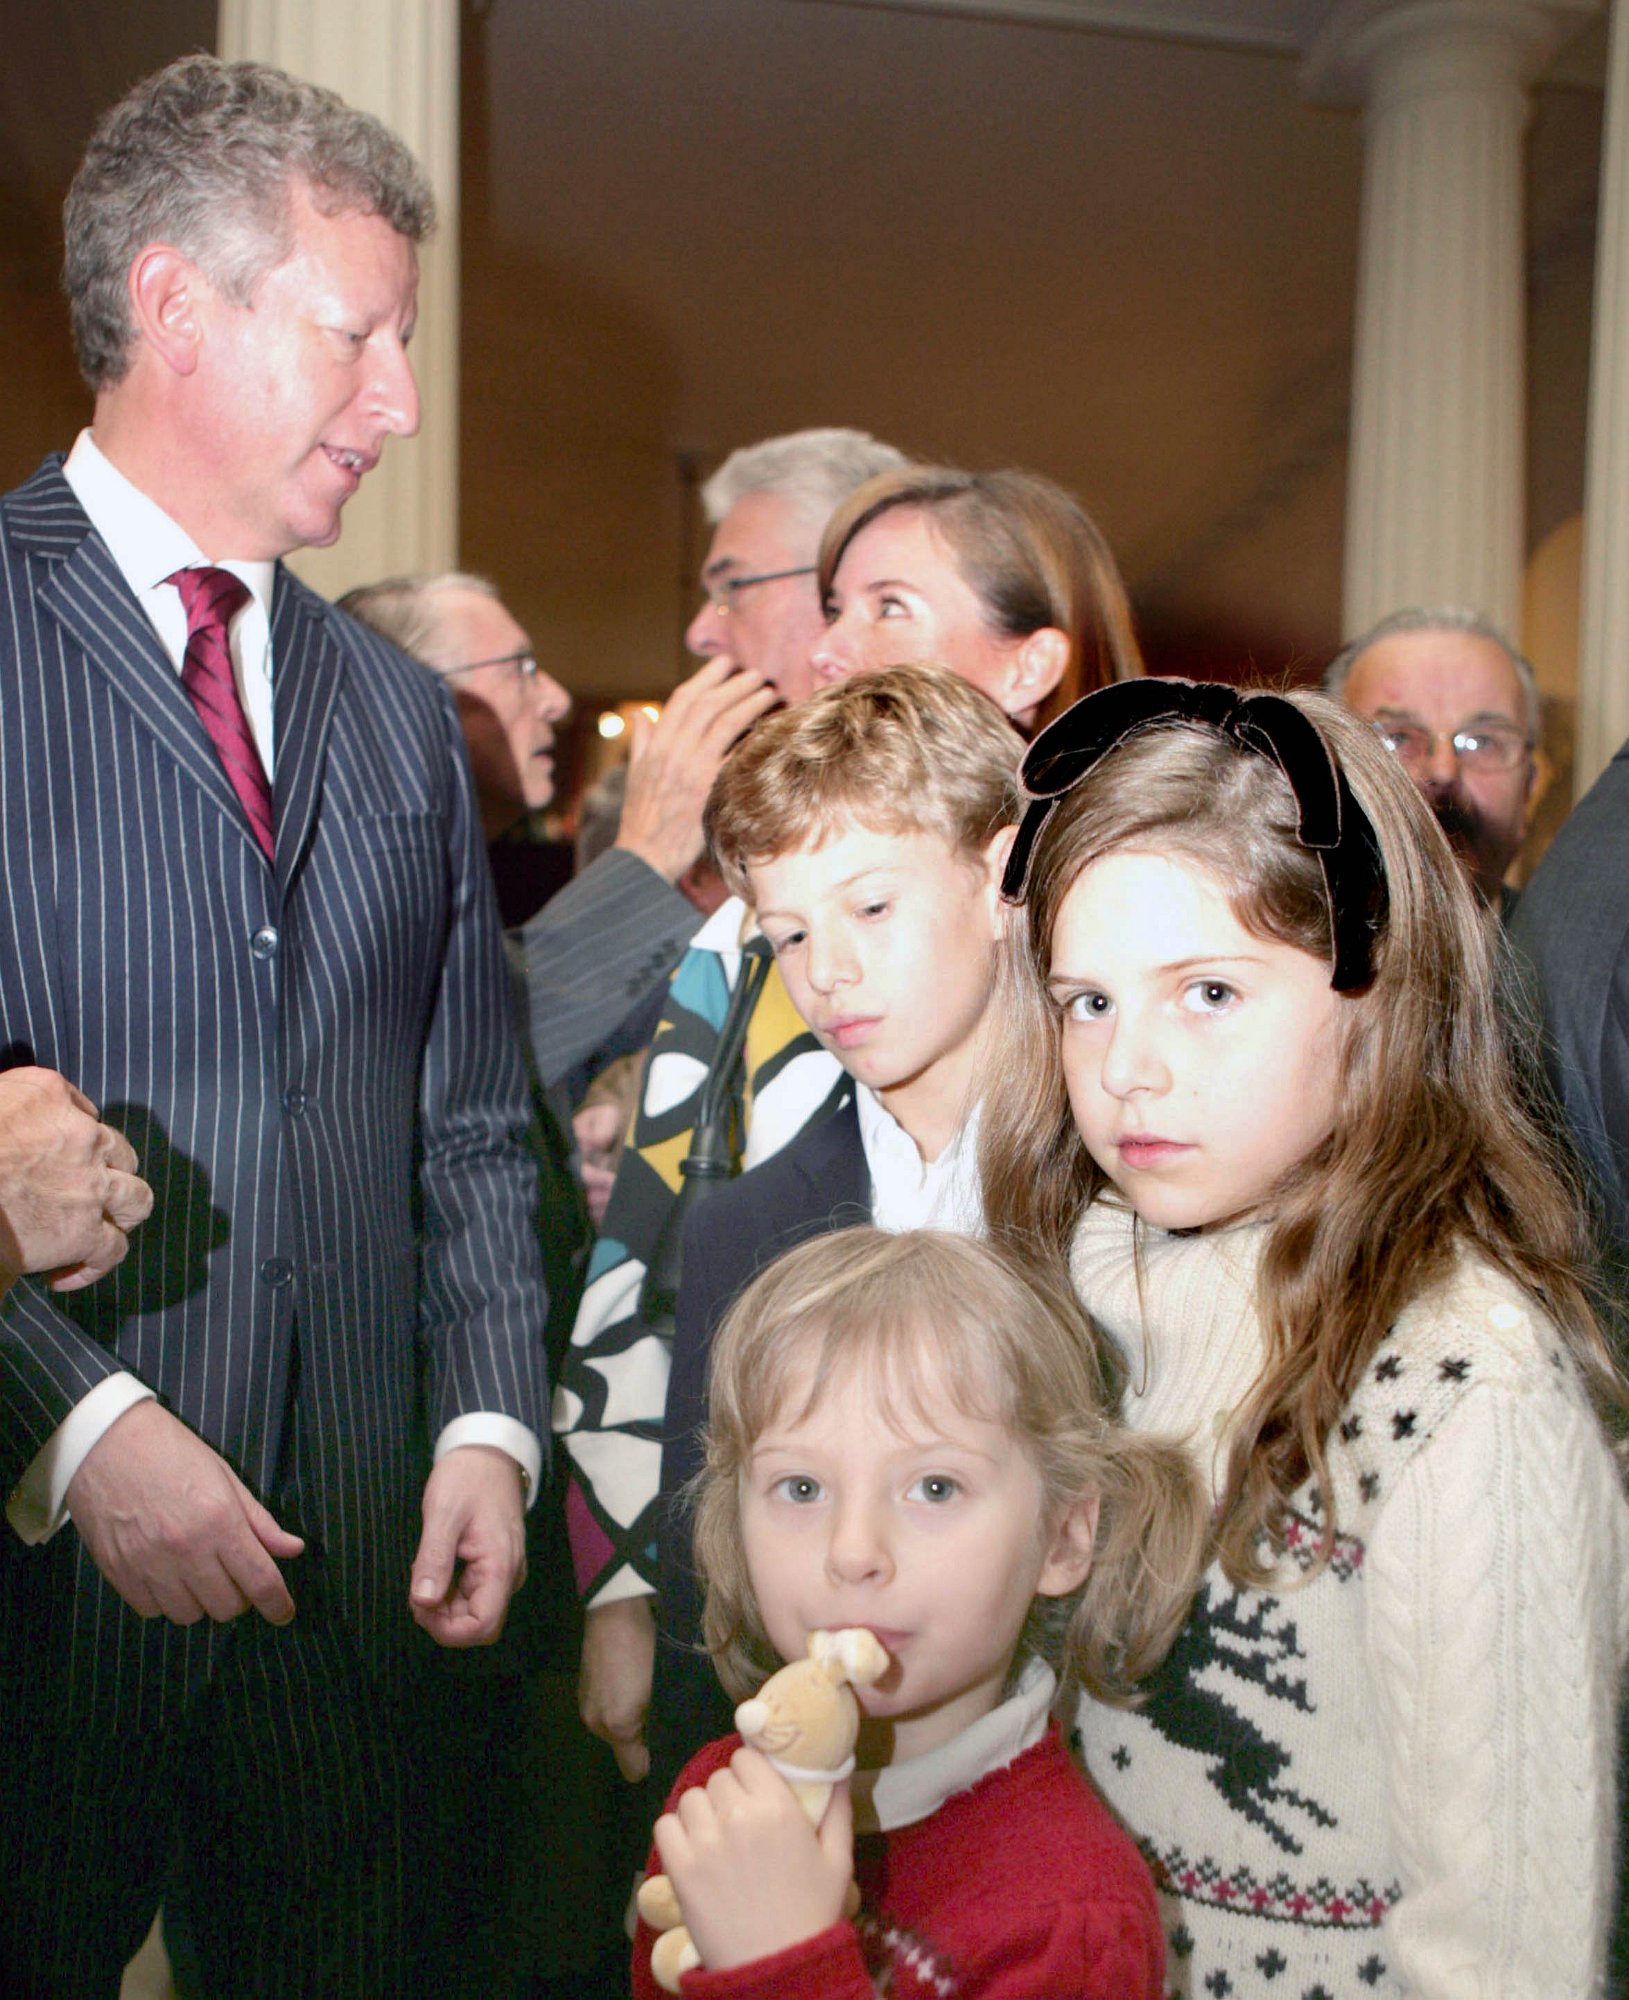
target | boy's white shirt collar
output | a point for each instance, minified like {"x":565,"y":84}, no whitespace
{"x":148,"y":548}
{"x":725,"y":931}
{"x":901,"y":1794}
{"x":908,"y":1192}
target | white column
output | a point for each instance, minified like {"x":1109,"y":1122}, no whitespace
{"x":1603,"y":655}
{"x":399,"y":60}
{"x":1435,"y":482}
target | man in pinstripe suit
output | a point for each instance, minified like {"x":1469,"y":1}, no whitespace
{"x":245,"y":903}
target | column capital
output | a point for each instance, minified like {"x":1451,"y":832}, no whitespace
{"x":1392,"y":49}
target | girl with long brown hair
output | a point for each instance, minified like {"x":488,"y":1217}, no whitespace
{"x":1256,"y":1091}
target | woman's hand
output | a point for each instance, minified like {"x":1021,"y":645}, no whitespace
{"x":752,"y":1876}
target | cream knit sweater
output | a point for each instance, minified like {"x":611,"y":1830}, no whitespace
{"x":1397,"y":1777}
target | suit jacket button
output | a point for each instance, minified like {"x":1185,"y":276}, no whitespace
{"x":264,"y":942}
{"x":276,"y":1272}
{"x":294,"y":1102}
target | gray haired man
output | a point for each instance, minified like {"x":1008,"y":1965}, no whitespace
{"x":1459,"y":706}
{"x":769,"y":503}
{"x":606,"y":943}
{"x":244,"y":899}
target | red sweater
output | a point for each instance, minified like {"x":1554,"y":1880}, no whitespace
{"x":1024,"y":1888}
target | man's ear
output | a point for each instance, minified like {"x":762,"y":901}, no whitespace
{"x":166,"y":290}
{"x":1069,"y":1556}
{"x":1034,"y":669}
{"x":1539,"y":774}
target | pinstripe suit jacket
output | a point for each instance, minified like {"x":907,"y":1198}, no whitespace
{"x":315,"y":1063}
{"x":598,"y":956}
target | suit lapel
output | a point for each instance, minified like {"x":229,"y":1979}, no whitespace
{"x":833,"y":1162}
{"x":87,"y":595}
{"x":308,"y":671}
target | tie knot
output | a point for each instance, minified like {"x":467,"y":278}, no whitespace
{"x":210,"y":597}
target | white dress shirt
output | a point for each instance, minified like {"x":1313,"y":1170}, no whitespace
{"x":149,"y":548}
{"x":908,"y":1192}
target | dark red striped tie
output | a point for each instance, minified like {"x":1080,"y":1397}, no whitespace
{"x":213,"y":598}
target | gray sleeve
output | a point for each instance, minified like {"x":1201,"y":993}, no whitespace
{"x":1570,"y":937}
{"x":595,"y":951}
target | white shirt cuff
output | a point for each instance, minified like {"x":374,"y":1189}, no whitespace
{"x":507,"y":1433}
{"x":39,"y":1502}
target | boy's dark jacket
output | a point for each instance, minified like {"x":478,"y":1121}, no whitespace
{"x":818,"y":1183}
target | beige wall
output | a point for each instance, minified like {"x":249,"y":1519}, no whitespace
{"x":1172,"y":344}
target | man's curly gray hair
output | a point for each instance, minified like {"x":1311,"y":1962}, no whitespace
{"x":204,"y":155}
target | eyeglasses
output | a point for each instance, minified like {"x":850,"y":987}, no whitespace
{"x":524,"y":664}
{"x":1488,"y":746}
{"x":723,"y":594}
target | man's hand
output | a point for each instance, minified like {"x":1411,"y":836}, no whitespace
{"x":472,"y":1555}
{"x":672,"y":763}
{"x":613,"y":1683}
{"x":172,"y":1527}
{"x":751,"y":1875}
{"x":69,"y":1193}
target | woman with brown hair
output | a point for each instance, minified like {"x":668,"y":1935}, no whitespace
{"x":999,"y":576}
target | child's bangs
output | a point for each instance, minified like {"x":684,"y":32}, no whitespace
{"x":911,"y":1329}
{"x":909,"y":1365}
{"x":846,"y":806}
{"x":1189,"y":794}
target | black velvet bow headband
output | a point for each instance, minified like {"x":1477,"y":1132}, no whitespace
{"x":1330,"y":822}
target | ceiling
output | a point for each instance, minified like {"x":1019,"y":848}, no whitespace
{"x":975,"y":227}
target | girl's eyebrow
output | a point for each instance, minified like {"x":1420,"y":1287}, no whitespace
{"x":1171,"y":965}
{"x":907,"y":1447}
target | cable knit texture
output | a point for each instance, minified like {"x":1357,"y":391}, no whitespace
{"x":1394,"y":1776}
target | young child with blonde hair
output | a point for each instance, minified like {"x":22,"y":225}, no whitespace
{"x":1256,"y":1089}
{"x":907,"y":1433}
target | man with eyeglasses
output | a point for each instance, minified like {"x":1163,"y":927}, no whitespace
{"x":1459,"y":706}
{"x":767,"y":505}
{"x":601,"y":950}
{"x":507,"y":704}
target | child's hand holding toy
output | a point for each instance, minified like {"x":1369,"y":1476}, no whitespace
{"x":755,"y":1862}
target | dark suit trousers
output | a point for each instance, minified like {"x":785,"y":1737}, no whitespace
{"x":276,"y":1793}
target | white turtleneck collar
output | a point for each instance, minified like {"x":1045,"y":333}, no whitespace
{"x":898,"y":1795}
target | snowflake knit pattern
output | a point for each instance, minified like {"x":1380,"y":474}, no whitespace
{"x":1394,"y":1775}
